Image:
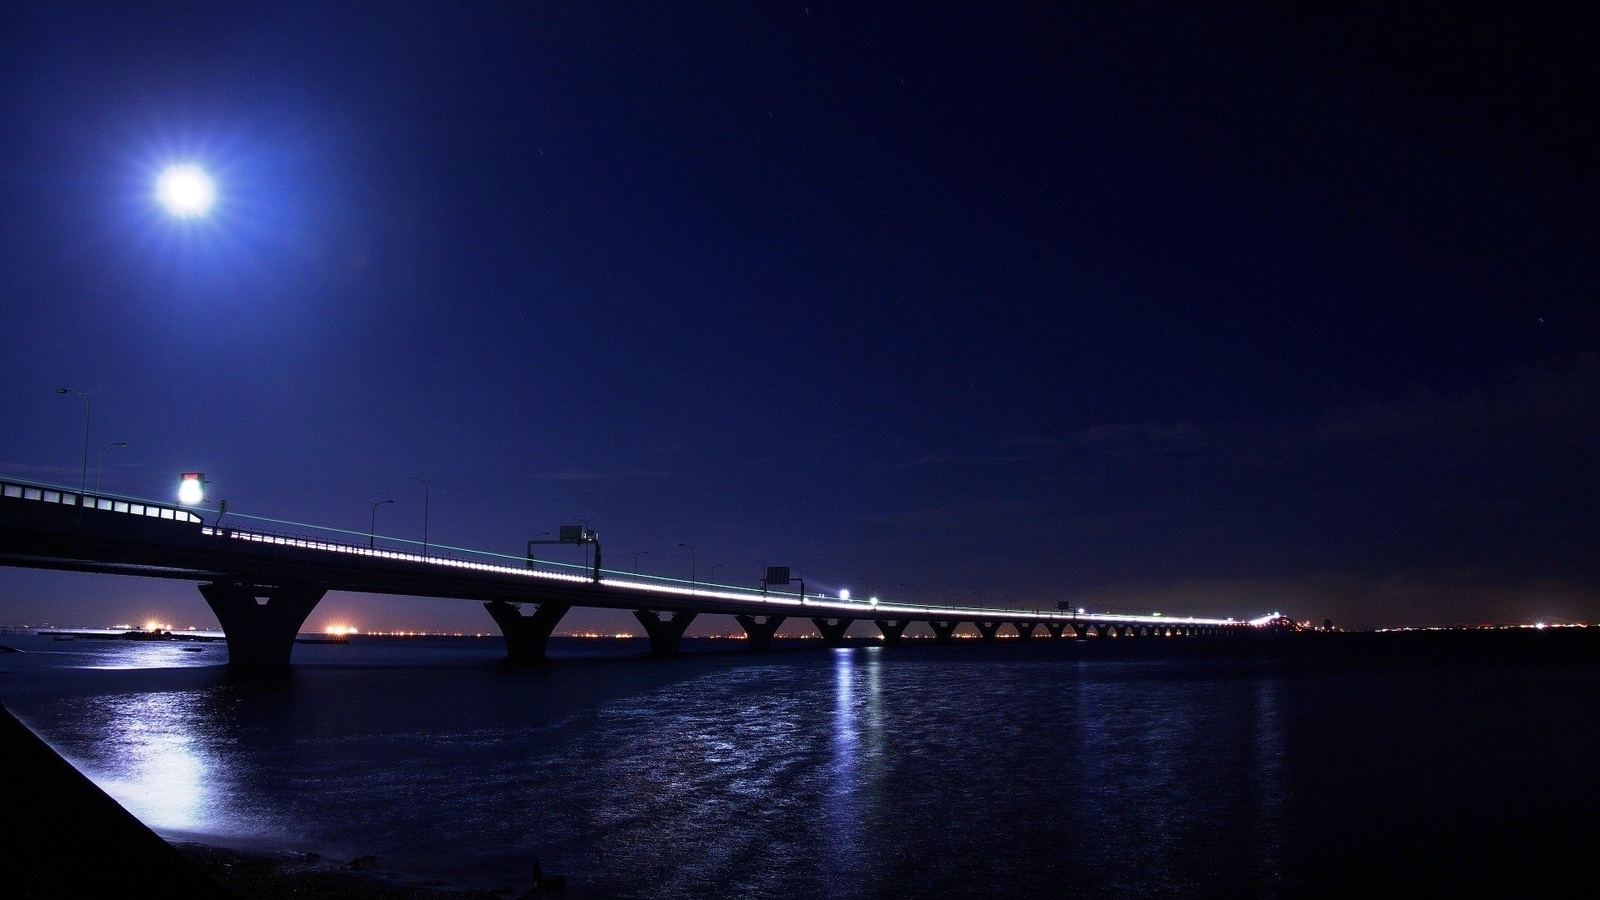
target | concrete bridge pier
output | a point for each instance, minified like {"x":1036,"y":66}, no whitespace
{"x":893,"y":631}
{"x":943,"y":629}
{"x":833,"y":632}
{"x":665,"y":634}
{"x":527,"y":637}
{"x":989,"y":630}
{"x":759,"y":634}
{"x":261,"y":621}
{"x":1056,"y":629}
{"x":1025,"y":629}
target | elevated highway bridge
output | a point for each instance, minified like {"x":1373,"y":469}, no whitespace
{"x":263,"y":585}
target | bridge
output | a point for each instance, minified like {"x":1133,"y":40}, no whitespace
{"x":263,"y":585}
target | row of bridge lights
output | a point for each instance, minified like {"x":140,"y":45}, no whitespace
{"x":192,"y":492}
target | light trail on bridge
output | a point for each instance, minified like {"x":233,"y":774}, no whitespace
{"x":779,"y":599}
{"x":659,"y":585}
{"x":262,"y":585}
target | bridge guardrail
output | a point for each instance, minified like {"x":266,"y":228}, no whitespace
{"x":54,"y":494}
{"x":20,"y":490}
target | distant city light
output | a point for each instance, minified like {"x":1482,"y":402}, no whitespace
{"x":186,"y":191}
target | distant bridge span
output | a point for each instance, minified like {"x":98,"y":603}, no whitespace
{"x":263,"y":586}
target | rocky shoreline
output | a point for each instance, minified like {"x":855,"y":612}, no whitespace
{"x":266,"y":876}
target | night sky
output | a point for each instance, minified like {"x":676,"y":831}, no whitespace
{"x":1202,"y":310}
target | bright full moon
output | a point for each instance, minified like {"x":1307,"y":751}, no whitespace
{"x":186,"y":191}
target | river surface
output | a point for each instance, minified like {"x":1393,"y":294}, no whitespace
{"x":1053,"y":769}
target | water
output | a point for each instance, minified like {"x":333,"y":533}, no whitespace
{"x":1046,"y":770}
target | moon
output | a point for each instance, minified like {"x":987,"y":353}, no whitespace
{"x":186,"y":191}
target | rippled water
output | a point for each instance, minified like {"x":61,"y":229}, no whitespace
{"x":964,"y":771}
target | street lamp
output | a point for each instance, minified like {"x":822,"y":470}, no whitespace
{"x":636,"y":559}
{"x":531,"y":541}
{"x":425,"y":483}
{"x":87,"y":398}
{"x":692,"y":578}
{"x":372,"y":532}
{"x":713,"y":578}
{"x":99,"y":456}
{"x":587,"y":533}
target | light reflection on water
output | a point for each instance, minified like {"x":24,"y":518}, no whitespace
{"x":152,"y":761}
{"x":862,"y":772}
{"x":845,"y":794}
{"x":845,"y":773}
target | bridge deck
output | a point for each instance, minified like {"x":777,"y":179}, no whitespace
{"x":49,"y":527}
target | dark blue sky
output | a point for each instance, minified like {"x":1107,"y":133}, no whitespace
{"x":1214,"y":311}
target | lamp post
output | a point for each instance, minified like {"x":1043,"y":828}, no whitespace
{"x":586,"y":541}
{"x":372,"y":532}
{"x":636,"y":556}
{"x":531,"y":541}
{"x":713,"y":578}
{"x":98,"y":457}
{"x":87,"y":404}
{"x":692,"y":578}
{"x":425,"y":483}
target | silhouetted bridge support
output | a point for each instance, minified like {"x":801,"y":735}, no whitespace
{"x":833,"y":631}
{"x":893,"y":630}
{"x":665,"y":634}
{"x":527,"y":637}
{"x":759,"y":634}
{"x":261,"y":622}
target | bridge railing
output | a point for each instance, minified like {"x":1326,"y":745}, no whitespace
{"x":463,"y":558}
{"x":21,"y":490}
{"x":228,"y":526}
{"x":460,"y":558}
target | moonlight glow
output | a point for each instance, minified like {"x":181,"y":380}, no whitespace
{"x":186,"y":191}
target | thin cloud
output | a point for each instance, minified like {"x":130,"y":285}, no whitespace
{"x":571,"y":475}
{"x":1558,"y":398}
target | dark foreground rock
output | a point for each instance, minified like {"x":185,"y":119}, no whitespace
{"x":261,"y":876}
{"x":69,"y":840}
